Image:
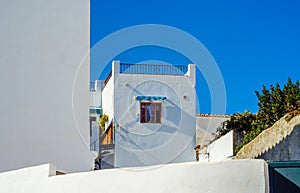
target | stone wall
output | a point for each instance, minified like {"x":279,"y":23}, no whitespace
{"x":287,"y":149}
{"x":278,"y":143}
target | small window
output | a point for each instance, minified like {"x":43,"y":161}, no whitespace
{"x":150,"y":112}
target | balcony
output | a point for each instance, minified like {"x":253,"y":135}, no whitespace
{"x":153,"y":69}
{"x":150,"y":69}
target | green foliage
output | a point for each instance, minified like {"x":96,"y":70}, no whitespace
{"x":256,"y":129}
{"x":273,"y":103}
{"x":238,"y":122}
{"x":103,"y":120}
{"x":292,"y":98}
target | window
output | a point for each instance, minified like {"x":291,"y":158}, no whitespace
{"x":150,"y":112}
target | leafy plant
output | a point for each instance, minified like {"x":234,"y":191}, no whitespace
{"x":103,"y":120}
{"x":273,"y":103}
{"x":238,"y":122}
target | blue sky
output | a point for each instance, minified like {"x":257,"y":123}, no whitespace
{"x":253,"y":42}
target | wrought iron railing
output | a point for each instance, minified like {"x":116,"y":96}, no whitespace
{"x":155,"y":69}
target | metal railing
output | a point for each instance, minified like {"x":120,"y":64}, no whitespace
{"x":107,"y":78}
{"x":155,"y":69}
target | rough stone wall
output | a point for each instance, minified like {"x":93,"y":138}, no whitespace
{"x":287,"y":149}
{"x":279,"y":142}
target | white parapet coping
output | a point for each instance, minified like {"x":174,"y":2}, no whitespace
{"x":29,"y":174}
{"x":238,"y":176}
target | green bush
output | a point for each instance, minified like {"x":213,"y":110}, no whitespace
{"x":273,"y":103}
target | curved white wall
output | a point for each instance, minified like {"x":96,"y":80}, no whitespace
{"x":242,"y":176}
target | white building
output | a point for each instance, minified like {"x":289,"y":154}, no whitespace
{"x":206,"y":127}
{"x":151,"y":110}
{"x":210,"y":148}
{"x":44,"y":84}
{"x":95,"y":112}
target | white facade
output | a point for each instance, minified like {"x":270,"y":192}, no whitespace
{"x":219,"y":150}
{"x":95,"y":94}
{"x":242,"y":176}
{"x":206,"y":127}
{"x":44,"y":84}
{"x":95,"y":111}
{"x":139,"y":144}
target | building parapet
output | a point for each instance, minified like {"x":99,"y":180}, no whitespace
{"x":213,"y":115}
{"x":153,"y":69}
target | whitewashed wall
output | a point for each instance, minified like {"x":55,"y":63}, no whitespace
{"x":96,"y":94}
{"x":42,"y":44}
{"x":206,"y":127}
{"x":219,"y":150}
{"x":108,"y":99}
{"x":243,"y":176}
{"x":148,"y":144}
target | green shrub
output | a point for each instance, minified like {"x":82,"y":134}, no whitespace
{"x":103,"y":120}
{"x":273,"y":103}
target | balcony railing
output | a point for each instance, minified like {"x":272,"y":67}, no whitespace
{"x":155,"y":69}
{"x":107,"y":78}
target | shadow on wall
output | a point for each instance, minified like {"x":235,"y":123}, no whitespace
{"x":287,"y":149}
{"x":157,"y":138}
{"x":166,"y":145}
